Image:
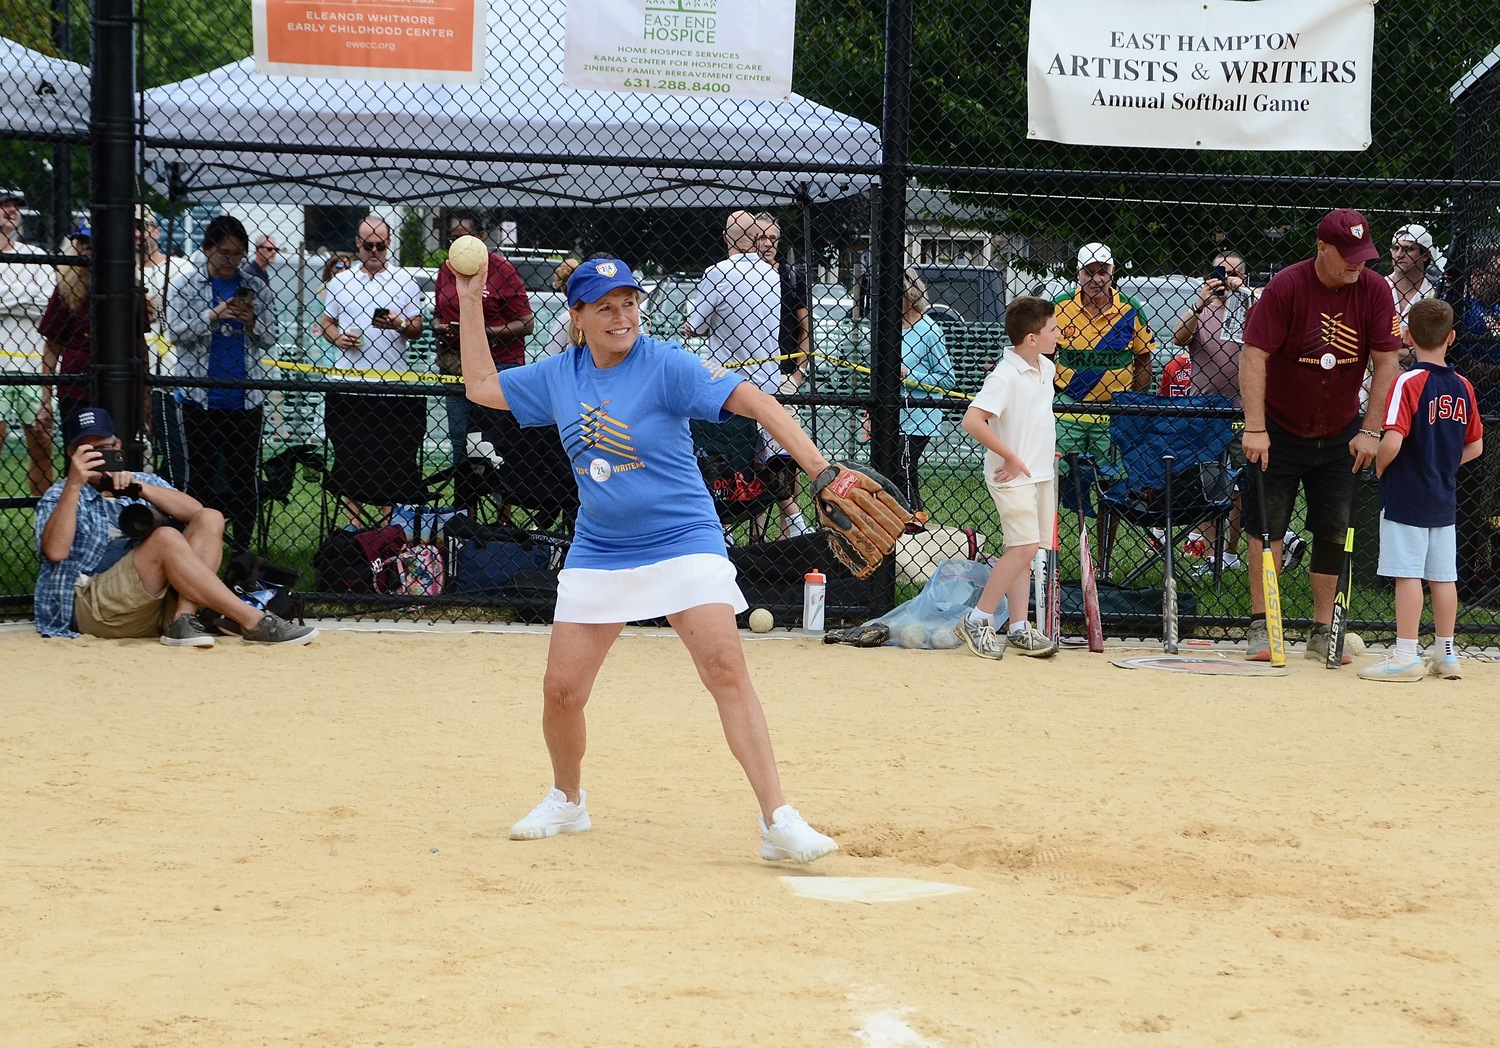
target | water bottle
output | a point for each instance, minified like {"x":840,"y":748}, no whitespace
{"x":814,"y":594}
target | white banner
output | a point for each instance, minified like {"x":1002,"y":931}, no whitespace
{"x":715,"y":48}
{"x":1205,"y":74}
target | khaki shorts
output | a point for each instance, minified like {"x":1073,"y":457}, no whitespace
{"x":1026,"y":513}
{"x":115,"y":604}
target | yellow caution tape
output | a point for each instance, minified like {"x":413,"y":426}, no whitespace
{"x":362,"y":373}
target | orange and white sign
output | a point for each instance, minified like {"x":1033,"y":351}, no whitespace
{"x":437,"y":41}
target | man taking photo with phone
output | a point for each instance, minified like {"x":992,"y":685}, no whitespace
{"x":223,"y":321}
{"x":93,"y":579}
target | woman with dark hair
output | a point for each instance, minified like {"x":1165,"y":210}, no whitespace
{"x":222,"y":321}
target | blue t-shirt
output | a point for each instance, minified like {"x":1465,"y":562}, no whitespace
{"x":226,"y":348}
{"x":924,"y":355}
{"x":625,"y":430}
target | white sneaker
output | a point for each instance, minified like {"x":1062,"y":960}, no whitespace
{"x":556,"y":814}
{"x":790,"y":837}
{"x":1440,"y":665}
{"x":1395,"y":667}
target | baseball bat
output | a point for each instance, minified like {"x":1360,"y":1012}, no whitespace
{"x":1169,"y":581}
{"x":1268,"y":575}
{"x":1039,"y":587}
{"x":1338,"y":627}
{"x":1054,"y":583}
{"x":1091,"y":617}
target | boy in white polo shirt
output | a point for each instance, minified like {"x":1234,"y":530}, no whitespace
{"x":1012,"y":419}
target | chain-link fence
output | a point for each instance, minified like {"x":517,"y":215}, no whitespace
{"x":852,"y":250}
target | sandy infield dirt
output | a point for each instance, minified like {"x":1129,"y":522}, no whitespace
{"x":247,"y":846}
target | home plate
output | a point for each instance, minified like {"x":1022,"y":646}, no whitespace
{"x":868,"y":890}
{"x":1202,"y":664}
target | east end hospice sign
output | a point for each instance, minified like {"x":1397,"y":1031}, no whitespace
{"x":371,"y":39}
{"x":708,"y":48}
{"x":1211,"y":74}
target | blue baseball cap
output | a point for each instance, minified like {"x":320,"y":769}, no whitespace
{"x":82,"y":231}
{"x":89,"y":422}
{"x":596,"y":278}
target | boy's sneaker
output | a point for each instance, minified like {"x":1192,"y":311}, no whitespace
{"x":1030,"y":641}
{"x":790,"y":837}
{"x":1317,"y":645}
{"x":186,"y":631}
{"x":1445,"y":666}
{"x":1394,"y":667}
{"x":980,"y":638}
{"x":1258,"y":642}
{"x":272,"y":629}
{"x":556,"y":814}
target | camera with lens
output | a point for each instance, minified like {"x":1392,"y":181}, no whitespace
{"x":140,"y":519}
{"x":114,"y":462}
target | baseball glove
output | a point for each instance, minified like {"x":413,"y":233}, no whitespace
{"x":861,"y":513}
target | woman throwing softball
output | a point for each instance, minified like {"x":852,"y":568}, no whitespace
{"x":647,"y":543}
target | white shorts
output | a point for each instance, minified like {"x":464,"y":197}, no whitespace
{"x":651,"y":591}
{"x":1411,"y":552}
{"x":1026,"y":512}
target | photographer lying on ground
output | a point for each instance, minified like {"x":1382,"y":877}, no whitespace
{"x":94,"y":579}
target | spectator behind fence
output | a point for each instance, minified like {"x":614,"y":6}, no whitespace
{"x":65,"y":327}
{"x":265,"y":253}
{"x":24,"y":289}
{"x":925,"y":370}
{"x":738,"y":306}
{"x":1413,"y":254}
{"x":794,"y":343}
{"x":1308,"y":340}
{"x":371,"y":314}
{"x":507,"y":322}
{"x":95,"y":579}
{"x":1011,"y":418}
{"x":1477,"y":353}
{"x":1104,"y":346}
{"x":1430,"y":428}
{"x":562,"y":334}
{"x":222,"y":320}
{"x":1212,"y":330}
{"x":647,"y":542}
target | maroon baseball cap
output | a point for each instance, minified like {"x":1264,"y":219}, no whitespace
{"x":1348,"y":231}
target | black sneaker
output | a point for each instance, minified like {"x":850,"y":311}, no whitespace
{"x":272,"y":629}
{"x":186,"y":631}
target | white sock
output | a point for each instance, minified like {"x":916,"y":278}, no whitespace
{"x":1019,"y":626}
{"x":1445,"y":647}
{"x":1408,"y":649}
{"x":979,"y":617}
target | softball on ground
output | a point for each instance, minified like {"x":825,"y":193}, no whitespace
{"x":912,"y":635}
{"x":466,"y":254}
{"x":761,"y":621}
{"x":943,"y":637}
{"x":1354,"y":644}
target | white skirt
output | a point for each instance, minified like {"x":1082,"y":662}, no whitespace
{"x":651,"y":591}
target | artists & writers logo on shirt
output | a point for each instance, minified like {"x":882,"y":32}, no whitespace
{"x":1334,"y":344}
{"x":604,"y":433}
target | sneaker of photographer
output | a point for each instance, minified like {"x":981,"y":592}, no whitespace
{"x":1395,"y":667}
{"x":556,"y":814}
{"x":272,"y":629}
{"x":790,"y":837}
{"x":186,"y":631}
{"x":1028,"y":640}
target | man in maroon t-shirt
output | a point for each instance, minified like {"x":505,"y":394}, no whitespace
{"x":1307,"y":342}
{"x":507,"y":322}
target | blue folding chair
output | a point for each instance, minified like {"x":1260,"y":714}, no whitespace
{"x":1202,"y":475}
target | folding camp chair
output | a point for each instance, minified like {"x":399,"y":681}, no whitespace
{"x":742,"y":490}
{"x":1202,"y":475}
{"x":278,"y":476}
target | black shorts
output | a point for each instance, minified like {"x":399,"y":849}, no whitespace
{"x":1325,"y":470}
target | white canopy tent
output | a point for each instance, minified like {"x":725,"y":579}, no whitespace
{"x":41,"y":96}
{"x":224,"y":130}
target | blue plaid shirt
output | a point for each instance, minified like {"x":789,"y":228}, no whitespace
{"x":98,"y":526}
